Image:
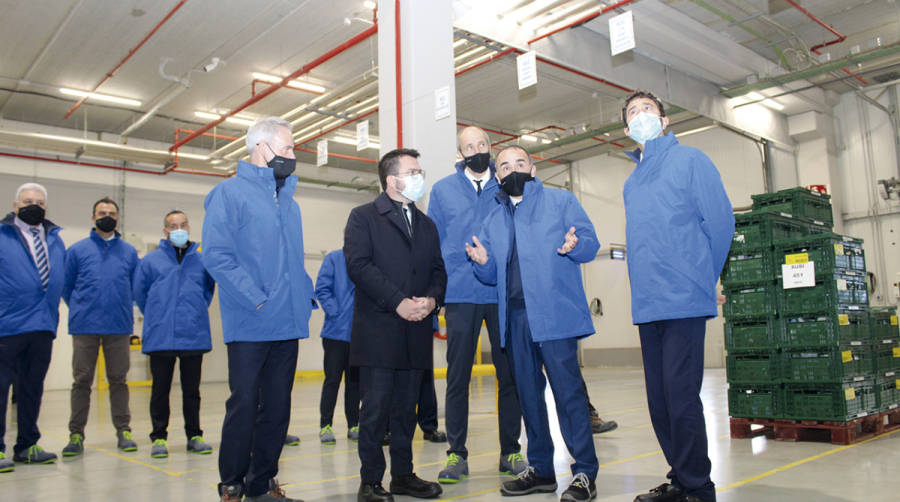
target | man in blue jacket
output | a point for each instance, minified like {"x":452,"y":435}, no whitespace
{"x":31,"y":279}
{"x":97,"y":289}
{"x":679,"y":229}
{"x":335,"y":290}
{"x":174,"y":291}
{"x":253,"y":248}
{"x":531,"y":246}
{"x":458,"y":205}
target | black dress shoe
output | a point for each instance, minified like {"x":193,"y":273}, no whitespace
{"x":414,"y":486}
{"x":435,"y":436}
{"x":663,"y":493}
{"x":373,"y":493}
{"x":386,"y":440}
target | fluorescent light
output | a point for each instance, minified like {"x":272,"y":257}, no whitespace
{"x":113,"y":146}
{"x":771,"y":103}
{"x":100,"y":97}
{"x":296,"y":84}
{"x":369,"y":4}
{"x":754,"y":96}
{"x":207,"y":115}
{"x":545,"y":141}
{"x":234,"y":120}
{"x":240,"y":121}
{"x":350,"y":141}
{"x":528,"y":137}
{"x":461,"y":41}
{"x":469,"y":53}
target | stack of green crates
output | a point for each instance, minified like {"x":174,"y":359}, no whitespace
{"x":886,"y":351}
{"x":802,"y":353}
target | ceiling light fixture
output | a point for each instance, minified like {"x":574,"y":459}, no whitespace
{"x":99,"y":97}
{"x":528,"y":137}
{"x":240,"y":121}
{"x":296,"y":84}
{"x":757,"y":98}
{"x":207,"y":115}
{"x":461,"y":41}
{"x":244,"y":121}
{"x":350,"y":141}
{"x":369,"y":4}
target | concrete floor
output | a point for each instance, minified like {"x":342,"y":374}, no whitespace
{"x":630,"y":461}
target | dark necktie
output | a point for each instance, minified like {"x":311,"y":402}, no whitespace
{"x":40,"y":257}
{"x":407,"y":219}
{"x":478,"y":188}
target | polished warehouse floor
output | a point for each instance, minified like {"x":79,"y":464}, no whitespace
{"x":630,"y":461}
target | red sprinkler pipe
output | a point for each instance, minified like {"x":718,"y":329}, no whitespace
{"x":840,"y":36}
{"x":265,"y":93}
{"x":461,"y":124}
{"x":398,"y":82}
{"x":127,"y":56}
{"x":581,"y":20}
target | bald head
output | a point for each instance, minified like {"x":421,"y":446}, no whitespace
{"x":471,"y":140}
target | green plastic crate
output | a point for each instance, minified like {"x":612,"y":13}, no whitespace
{"x":838,"y":402}
{"x":748,"y":266}
{"x":887,"y":393}
{"x":764,"y":229}
{"x":752,"y":367}
{"x":754,"y":401}
{"x":883,"y":323}
{"x":886,"y":356}
{"x":798,"y":202}
{"x":811,"y":365}
{"x":752,"y":334}
{"x":825,"y":330}
{"x":842,"y":290}
{"x":750,"y":302}
{"x":830,"y":252}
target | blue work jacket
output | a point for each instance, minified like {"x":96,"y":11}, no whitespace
{"x":554,"y":294}
{"x":335,"y":291}
{"x":174,"y":298}
{"x":98,"y":286}
{"x":679,"y":225}
{"x":253,"y":248}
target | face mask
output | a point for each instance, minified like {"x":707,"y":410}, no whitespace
{"x":282,"y":167}
{"x":415,"y":187}
{"x":106,"y":224}
{"x":514,"y":183}
{"x":479,"y":162}
{"x":178,"y":237}
{"x":32,"y":214}
{"x":644,"y":127}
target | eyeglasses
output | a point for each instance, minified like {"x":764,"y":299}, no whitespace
{"x":411,"y":172}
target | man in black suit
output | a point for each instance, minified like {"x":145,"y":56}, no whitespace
{"x":394,"y":257}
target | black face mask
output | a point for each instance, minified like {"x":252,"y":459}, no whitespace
{"x":106,"y":224}
{"x":32,"y":214}
{"x":479,"y":162}
{"x":282,"y":167}
{"x":514,"y":183}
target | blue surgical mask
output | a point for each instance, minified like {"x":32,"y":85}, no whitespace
{"x":415,"y":187}
{"x":178,"y":238}
{"x":644,"y":127}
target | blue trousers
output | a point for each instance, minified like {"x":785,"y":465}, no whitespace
{"x":559,"y":358}
{"x":388,"y":396}
{"x":257,"y":414}
{"x":24,"y":359}
{"x":463,"y":327}
{"x":673,"y":370}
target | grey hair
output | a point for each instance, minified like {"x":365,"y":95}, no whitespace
{"x":487,"y":139}
{"x":31,"y":186}
{"x":264,"y":129}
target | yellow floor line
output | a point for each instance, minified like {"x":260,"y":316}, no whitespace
{"x":135,"y":461}
{"x":800,"y":462}
{"x":473,"y":494}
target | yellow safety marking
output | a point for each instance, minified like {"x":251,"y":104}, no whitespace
{"x":473,"y":494}
{"x":135,"y":461}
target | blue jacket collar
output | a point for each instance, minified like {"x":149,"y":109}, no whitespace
{"x":263,"y":177}
{"x":654,"y":147}
{"x":100,"y":240}
{"x":9,"y":220}
{"x":166,"y":246}
{"x":533,"y":190}
{"x":461,"y":166}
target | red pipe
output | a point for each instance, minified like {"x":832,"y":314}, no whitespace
{"x":78,"y":163}
{"x":323,"y":133}
{"x":461,"y":124}
{"x":840,"y":36}
{"x":582,"y":20}
{"x":305,"y":69}
{"x":398,"y":82}
{"x":127,"y":56}
{"x":255,"y":80}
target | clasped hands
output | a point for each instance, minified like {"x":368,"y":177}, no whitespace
{"x":415,"y":309}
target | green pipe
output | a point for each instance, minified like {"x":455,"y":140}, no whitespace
{"x":751,"y":31}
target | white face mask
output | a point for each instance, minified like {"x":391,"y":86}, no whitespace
{"x":644,"y":127}
{"x":414,"y":187}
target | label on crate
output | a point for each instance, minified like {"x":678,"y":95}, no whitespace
{"x":839,"y":249}
{"x":791,"y":259}
{"x":798,"y":275}
{"x":843,"y":319}
{"x":897,"y":383}
{"x":849,"y":394}
{"x":893,"y":320}
{"x":855,"y":343}
{"x":738,"y":238}
{"x":896,"y":351}
{"x":841,"y":284}
{"x":847,"y":356}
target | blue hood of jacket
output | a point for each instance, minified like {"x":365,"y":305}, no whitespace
{"x":174,"y":298}
{"x":98,"y":286}
{"x":253,"y":248}
{"x":679,"y":225}
{"x":458,"y":212}
{"x":335,"y":290}
{"x":24,"y":304}
{"x":554,"y":294}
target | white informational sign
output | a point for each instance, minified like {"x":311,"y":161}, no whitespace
{"x":442,"y":103}
{"x":362,"y":135}
{"x":321,"y":153}
{"x":799,"y":275}
{"x":621,"y":33}
{"x":526,"y":67}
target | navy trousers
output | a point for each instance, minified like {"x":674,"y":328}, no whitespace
{"x":388,"y":396}
{"x":673,"y":370}
{"x":559,"y":358}
{"x":257,"y":414}
{"x":463,"y":327}
{"x":336,"y":363}
{"x":427,"y":409}
{"x":24,"y":359}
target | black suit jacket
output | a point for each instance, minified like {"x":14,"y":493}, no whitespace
{"x":386,"y":267}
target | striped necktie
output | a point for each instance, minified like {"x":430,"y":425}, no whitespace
{"x":40,"y":257}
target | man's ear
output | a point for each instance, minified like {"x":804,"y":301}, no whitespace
{"x":665,"y":123}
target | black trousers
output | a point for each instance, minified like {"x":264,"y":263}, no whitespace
{"x":336,"y":364}
{"x":427,"y":409}
{"x":24,"y":359}
{"x":388,"y":395}
{"x":161,"y":369}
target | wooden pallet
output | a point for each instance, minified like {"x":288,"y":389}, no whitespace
{"x":817,"y":430}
